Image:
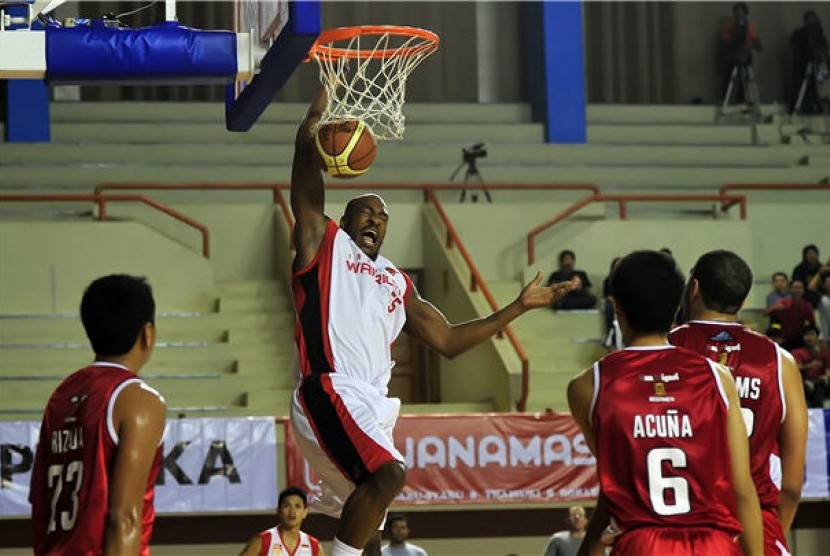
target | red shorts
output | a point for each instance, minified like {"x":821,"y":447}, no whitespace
{"x":662,"y":541}
{"x":775,"y":543}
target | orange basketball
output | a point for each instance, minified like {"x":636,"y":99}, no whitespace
{"x":347,"y":148}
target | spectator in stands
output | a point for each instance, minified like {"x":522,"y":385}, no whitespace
{"x":567,"y":543}
{"x":612,"y":339}
{"x":773,"y":332}
{"x":398,"y":529}
{"x":792,"y":314}
{"x":286,"y":537}
{"x":809,"y":46}
{"x":824,"y":314}
{"x":814,"y":365}
{"x":740,"y":39}
{"x":779,"y":289}
{"x":579,"y":298}
{"x":807,"y":271}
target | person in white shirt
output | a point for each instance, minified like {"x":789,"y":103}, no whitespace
{"x":398,"y":529}
{"x":567,"y":543}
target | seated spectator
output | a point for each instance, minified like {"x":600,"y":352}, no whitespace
{"x":792,"y":314}
{"x":808,"y":272}
{"x":815,"y":368}
{"x":774,"y":333}
{"x":580,"y":298}
{"x":612,"y":339}
{"x":779,"y":289}
{"x":824,"y":314}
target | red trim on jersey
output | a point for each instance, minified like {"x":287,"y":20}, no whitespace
{"x":265,"y":543}
{"x":324,"y":274}
{"x":409,"y":288}
{"x":320,"y":438}
{"x":321,"y":263}
{"x":372,"y":454}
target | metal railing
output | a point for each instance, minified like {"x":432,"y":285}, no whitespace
{"x":102,"y":200}
{"x":476,"y":281}
{"x":622,"y":203}
{"x":730,"y":187}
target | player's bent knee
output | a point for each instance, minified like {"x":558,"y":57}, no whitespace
{"x":391,"y":477}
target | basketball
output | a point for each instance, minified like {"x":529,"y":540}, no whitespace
{"x":347,"y":148}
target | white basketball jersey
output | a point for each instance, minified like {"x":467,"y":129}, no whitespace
{"x":272,"y":544}
{"x":349,"y":311}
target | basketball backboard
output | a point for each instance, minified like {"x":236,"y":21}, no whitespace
{"x":281,"y":32}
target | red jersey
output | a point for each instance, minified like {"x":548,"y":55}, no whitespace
{"x":803,"y":356}
{"x":75,"y":453}
{"x":273,"y":544}
{"x":755,"y":362}
{"x":659,"y":414}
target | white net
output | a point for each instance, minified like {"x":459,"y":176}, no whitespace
{"x":365,"y":76}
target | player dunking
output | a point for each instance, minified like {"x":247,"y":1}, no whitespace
{"x":768,"y":380}
{"x":351,"y":303}
{"x":98,"y":455}
{"x":665,"y":425}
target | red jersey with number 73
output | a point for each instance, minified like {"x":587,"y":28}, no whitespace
{"x":755,"y":362}
{"x":73,"y":460}
{"x":659,"y":415}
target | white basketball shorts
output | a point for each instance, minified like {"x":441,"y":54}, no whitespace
{"x":344,"y":429}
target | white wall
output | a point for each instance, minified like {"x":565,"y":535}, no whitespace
{"x":47,"y":265}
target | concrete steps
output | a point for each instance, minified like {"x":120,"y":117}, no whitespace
{"x":664,"y":179}
{"x":70,"y":330}
{"x":434,"y":153}
{"x":558,"y":345}
{"x":284,"y":112}
{"x":225,"y":363}
{"x":643,"y":148}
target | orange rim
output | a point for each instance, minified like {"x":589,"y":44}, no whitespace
{"x":323,"y":49}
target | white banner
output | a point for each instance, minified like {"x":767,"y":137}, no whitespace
{"x":817,"y":468}
{"x":208,"y":465}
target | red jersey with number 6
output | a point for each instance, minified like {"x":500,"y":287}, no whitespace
{"x":659,"y":414}
{"x":75,"y":453}
{"x":755,"y":362}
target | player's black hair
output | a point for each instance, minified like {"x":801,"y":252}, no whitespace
{"x":392,"y":518}
{"x":811,"y":247}
{"x":564,"y":253}
{"x":810,"y":328}
{"x":724,"y":279}
{"x":647,"y":286}
{"x":114,"y":309}
{"x":292,"y":491}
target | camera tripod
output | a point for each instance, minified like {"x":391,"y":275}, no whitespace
{"x":742,"y":76}
{"x":818,"y":72}
{"x":471,"y":175}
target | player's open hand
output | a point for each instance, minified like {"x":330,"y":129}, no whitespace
{"x":534,"y":295}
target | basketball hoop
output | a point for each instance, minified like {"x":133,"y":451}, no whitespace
{"x":364,"y":71}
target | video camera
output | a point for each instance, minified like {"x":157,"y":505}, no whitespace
{"x":473,"y":152}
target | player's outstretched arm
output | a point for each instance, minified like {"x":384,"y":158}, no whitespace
{"x":749,"y":509}
{"x":792,"y":441}
{"x":307,"y":186}
{"x":138,"y":418}
{"x":253,"y":548}
{"x":428,"y":324}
